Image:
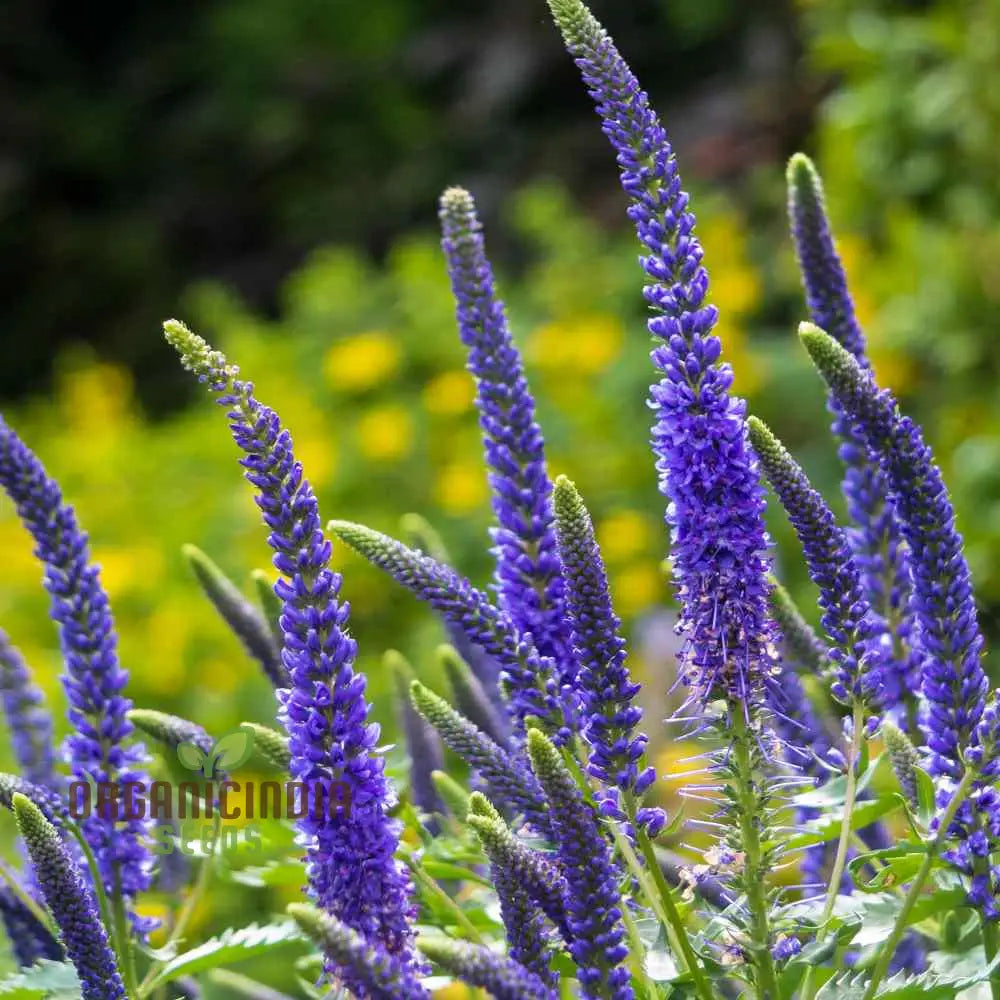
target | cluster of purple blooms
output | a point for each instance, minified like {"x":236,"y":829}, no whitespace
{"x":566,"y":762}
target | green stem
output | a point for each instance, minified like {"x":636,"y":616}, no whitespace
{"x":917,"y":885}
{"x":198,"y":891}
{"x":123,"y":937}
{"x":766,"y":979}
{"x":37,"y":911}
{"x":840,"y":860}
{"x":427,"y":883}
{"x":95,"y":878}
{"x":981,"y":866}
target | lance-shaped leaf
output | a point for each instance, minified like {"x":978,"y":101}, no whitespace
{"x":528,"y":679}
{"x":244,"y":618}
{"x":70,"y":901}
{"x":476,"y":965}
{"x":509,"y":781}
{"x":364,"y":962}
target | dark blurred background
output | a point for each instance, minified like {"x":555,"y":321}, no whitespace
{"x":269,"y":171}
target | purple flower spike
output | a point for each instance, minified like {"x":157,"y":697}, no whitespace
{"x":528,"y":579}
{"x":30,"y":940}
{"x":503,"y":978}
{"x":705,"y":465}
{"x":607,"y":692}
{"x":858,"y":650}
{"x":875,"y":539}
{"x":94,"y":679}
{"x":594,"y":903}
{"x":948,"y":640}
{"x":349,"y":852}
{"x":72,"y":905}
{"x":527,"y":678}
{"x":27,"y":717}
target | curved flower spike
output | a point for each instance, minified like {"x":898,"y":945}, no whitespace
{"x":352,"y":870}
{"x":948,"y":640}
{"x":94,"y":678}
{"x":71,"y":904}
{"x":503,"y":978}
{"x":527,"y":678}
{"x":847,"y":617}
{"x":372,"y":972}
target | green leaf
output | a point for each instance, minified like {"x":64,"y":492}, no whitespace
{"x":900,"y":865}
{"x":46,"y":979}
{"x":828,"y":826}
{"x":230,"y":946}
{"x":447,"y":871}
{"x":283,"y":872}
{"x":926,"y":806}
{"x":191,"y":756}
{"x":233,"y":749}
{"x":930,"y":985}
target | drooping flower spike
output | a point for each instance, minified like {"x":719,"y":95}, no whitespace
{"x":28,"y":719}
{"x":705,"y":465}
{"x":948,"y":640}
{"x":528,"y":579}
{"x":351,"y":868}
{"x":527,"y":678}
{"x":71,"y":903}
{"x":609,"y":712}
{"x":94,"y":679}
{"x":875,"y":537}
{"x":856,"y":635}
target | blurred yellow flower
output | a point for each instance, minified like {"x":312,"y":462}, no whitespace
{"x":625,"y":534}
{"x":167,"y":630}
{"x":96,"y":399}
{"x":454,"y":991}
{"x":362,"y":361}
{"x":583,"y":344}
{"x":636,"y":588}
{"x":385,"y":433}
{"x":674,"y":766}
{"x":449,"y":394}
{"x":461,"y":487}
{"x":136,"y":567}
{"x":318,"y":455}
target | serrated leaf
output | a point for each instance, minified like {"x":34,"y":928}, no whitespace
{"x":233,"y":749}
{"x":191,"y":756}
{"x":230,"y":946}
{"x":46,"y":979}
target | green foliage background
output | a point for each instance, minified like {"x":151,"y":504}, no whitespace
{"x":361,"y":359}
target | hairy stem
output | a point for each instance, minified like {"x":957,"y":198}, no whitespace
{"x":748,"y":804}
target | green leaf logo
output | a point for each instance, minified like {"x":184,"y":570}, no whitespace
{"x":230,"y":751}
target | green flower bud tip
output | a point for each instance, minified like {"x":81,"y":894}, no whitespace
{"x":271,"y":745}
{"x":454,"y":796}
{"x":480,"y":807}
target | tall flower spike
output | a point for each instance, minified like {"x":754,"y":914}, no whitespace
{"x":948,"y":640}
{"x":70,"y":901}
{"x":509,"y":781}
{"x":847,"y":617}
{"x":376,"y":974}
{"x":527,"y":677}
{"x":94,"y":679}
{"x":503,"y":978}
{"x":875,"y":538}
{"x":706,"y":468}
{"x":350,"y":862}
{"x":27,"y":717}
{"x":423,"y":745}
{"x":595,"y":906}
{"x":470,"y":698}
{"x":245,"y":619}
{"x":609,"y":713}
{"x":528,"y":579}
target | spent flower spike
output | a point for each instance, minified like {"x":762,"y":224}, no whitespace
{"x":94,"y":679}
{"x":352,"y":872}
